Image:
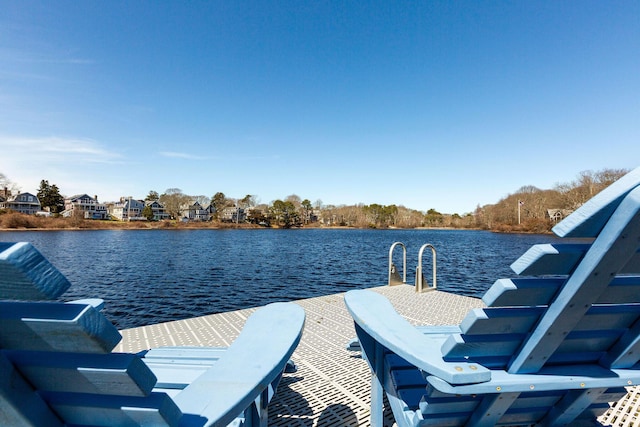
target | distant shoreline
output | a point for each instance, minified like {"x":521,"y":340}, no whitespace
{"x":89,"y":225}
{"x":22,"y":222}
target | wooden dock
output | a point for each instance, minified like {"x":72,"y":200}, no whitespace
{"x":331,"y":386}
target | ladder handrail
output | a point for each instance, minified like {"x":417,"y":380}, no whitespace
{"x":392,"y":266}
{"x":419,"y":276}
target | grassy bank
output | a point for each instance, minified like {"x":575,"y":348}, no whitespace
{"x":10,"y":220}
{"x":17,"y":221}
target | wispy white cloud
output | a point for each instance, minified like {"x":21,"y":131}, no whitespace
{"x":75,"y":165}
{"x":234,"y":158}
{"x":186,"y":156}
{"x":19,"y":56}
{"x":51,"y":149}
{"x":39,"y":67}
{"x":76,"y":61}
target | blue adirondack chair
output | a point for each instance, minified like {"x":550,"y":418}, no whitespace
{"x":553,"y":346}
{"x":57,"y":367}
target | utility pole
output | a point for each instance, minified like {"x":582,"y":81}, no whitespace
{"x":520,"y":203}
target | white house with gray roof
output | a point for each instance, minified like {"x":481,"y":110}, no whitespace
{"x":85,"y":206}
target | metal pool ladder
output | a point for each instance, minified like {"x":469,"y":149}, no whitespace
{"x":394,"y":277}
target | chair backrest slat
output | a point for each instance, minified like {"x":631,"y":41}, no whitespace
{"x":47,"y":326}
{"x":156,"y":409}
{"x":561,"y":259}
{"x":27,"y":275}
{"x":20,"y":405}
{"x":531,"y":291}
{"x":491,"y":336}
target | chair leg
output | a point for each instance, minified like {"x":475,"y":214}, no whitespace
{"x":264,"y":407}
{"x":377,"y":396}
{"x":257,"y":414}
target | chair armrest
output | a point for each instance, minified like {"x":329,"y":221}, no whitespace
{"x":97,"y":303}
{"x":376,"y":317}
{"x":576,"y":377}
{"x":249,"y":366}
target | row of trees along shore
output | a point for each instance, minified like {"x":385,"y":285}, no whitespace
{"x":529,"y":209}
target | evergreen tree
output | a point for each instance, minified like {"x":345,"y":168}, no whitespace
{"x":153,"y":196}
{"x":147,"y":212}
{"x":50,"y":197}
{"x":285,"y":214}
{"x":219,"y":202}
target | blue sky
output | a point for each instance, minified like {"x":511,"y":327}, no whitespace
{"x":444,"y":105}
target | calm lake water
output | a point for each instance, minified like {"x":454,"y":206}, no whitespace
{"x":150,"y":276}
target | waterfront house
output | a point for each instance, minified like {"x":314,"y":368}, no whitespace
{"x":159,"y":213}
{"x":85,"y":206}
{"x":128,"y":209}
{"x":211,"y":210}
{"x":557,"y":215}
{"x":25,"y":203}
{"x":233,"y":214}
{"x":194,"y":212}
